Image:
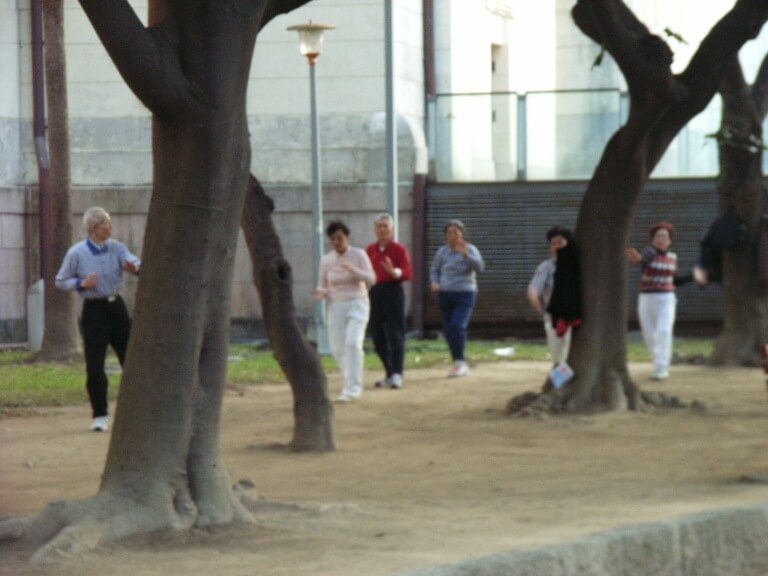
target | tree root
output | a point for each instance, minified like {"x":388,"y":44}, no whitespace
{"x":539,"y":405}
{"x":622,"y":392}
{"x":67,"y":530}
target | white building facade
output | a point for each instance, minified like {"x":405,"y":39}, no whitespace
{"x":485,"y":90}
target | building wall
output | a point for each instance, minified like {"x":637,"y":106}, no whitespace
{"x":10,"y":105}
{"x":16,"y":238}
{"x":13,"y":198}
{"x":514,"y":46}
{"x":472,"y":57}
{"x":111,"y":139}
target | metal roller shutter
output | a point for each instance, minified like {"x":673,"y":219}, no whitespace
{"x":508,"y":222}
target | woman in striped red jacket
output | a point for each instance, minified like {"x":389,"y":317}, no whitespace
{"x":657,"y":302}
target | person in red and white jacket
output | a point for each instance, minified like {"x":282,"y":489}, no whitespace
{"x":657,"y":301}
{"x":392,"y":266}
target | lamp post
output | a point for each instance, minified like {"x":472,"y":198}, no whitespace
{"x":310,"y":44}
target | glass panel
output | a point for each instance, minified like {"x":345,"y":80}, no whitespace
{"x":475,"y":137}
{"x":567,"y":132}
{"x":694,"y":152}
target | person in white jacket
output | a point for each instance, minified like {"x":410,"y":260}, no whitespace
{"x":345,"y":275}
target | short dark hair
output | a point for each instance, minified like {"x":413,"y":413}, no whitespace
{"x":559,"y":231}
{"x":335,"y":226}
{"x":453,"y":223}
{"x":668,"y":226}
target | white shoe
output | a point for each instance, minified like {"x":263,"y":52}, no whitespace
{"x":396,"y":382}
{"x":383,"y":383}
{"x":100,"y":424}
{"x":659,"y":375}
{"x":459,"y":369}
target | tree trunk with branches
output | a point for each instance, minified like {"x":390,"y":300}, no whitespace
{"x":661,"y":104}
{"x":164,"y":470}
{"x":60,"y":332}
{"x":273,"y":278}
{"x":745,"y":322}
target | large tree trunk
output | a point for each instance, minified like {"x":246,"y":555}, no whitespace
{"x":164,"y":467}
{"x":660,"y":105}
{"x":598,"y":352}
{"x":745,"y":323}
{"x":60,"y":335}
{"x":273,"y":278}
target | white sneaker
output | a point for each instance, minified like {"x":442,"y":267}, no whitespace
{"x":459,"y":369}
{"x":396,"y":382}
{"x":659,"y":375}
{"x":347,"y":397}
{"x":383,"y":383}
{"x":100,"y":424}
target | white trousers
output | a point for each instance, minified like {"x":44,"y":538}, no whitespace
{"x":656,"y":313}
{"x":558,"y":347}
{"x":347,"y":320}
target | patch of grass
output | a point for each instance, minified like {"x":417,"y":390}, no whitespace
{"x":24,"y":384}
{"x":13,"y":356}
{"x":694,"y":346}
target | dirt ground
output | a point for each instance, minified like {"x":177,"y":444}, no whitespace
{"x":430,"y":474}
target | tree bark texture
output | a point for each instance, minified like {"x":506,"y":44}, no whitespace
{"x":745,"y":322}
{"x":661,"y":103}
{"x":272,"y":275}
{"x":164,"y":468}
{"x":60,"y":332}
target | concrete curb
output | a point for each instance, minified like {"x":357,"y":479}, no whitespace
{"x":730,"y":542}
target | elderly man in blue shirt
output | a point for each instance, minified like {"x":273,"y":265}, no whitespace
{"x":94,"y":269}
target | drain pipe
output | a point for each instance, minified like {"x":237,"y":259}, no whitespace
{"x":419,"y":190}
{"x":41,"y":143}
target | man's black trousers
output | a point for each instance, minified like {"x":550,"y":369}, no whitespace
{"x":387,"y":324}
{"x":103,"y":323}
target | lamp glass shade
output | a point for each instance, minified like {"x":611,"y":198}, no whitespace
{"x":311,"y":41}
{"x":311,"y":38}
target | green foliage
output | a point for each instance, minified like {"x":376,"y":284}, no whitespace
{"x":25,"y":385}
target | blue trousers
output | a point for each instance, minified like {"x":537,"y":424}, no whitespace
{"x":455,"y":311}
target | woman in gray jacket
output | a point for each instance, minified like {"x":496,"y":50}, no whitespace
{"x":452,"y":277}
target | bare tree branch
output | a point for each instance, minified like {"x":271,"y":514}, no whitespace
{"x":760,"y":89}
{"x":278,"y":7}
{"x":643,"y":58}
{"x":704,"y":73}
{"x":733,"y":87}
{"x":145,"y":57}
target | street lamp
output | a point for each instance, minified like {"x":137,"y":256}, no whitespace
{"x":310,"y":44}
